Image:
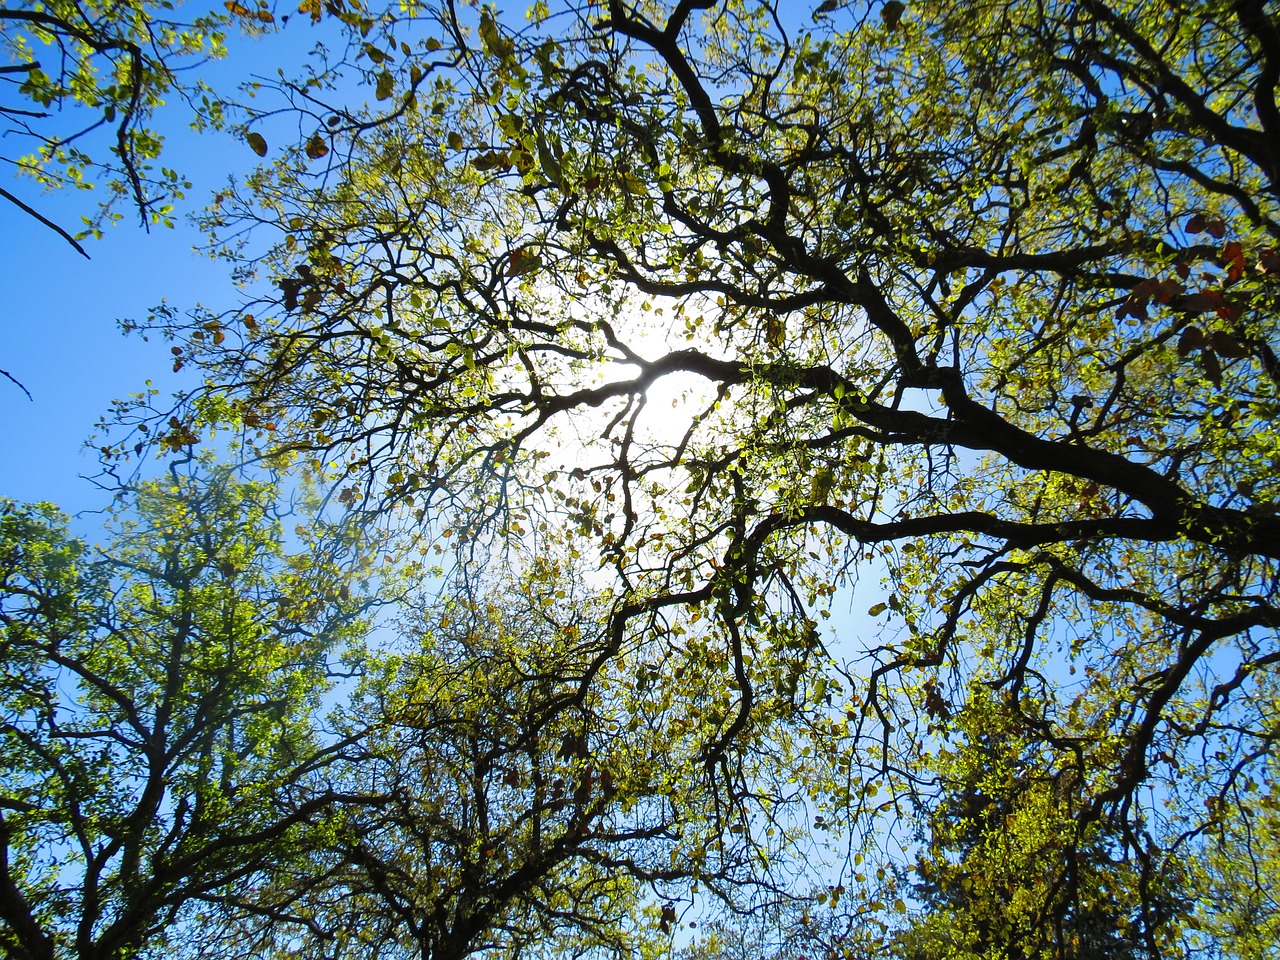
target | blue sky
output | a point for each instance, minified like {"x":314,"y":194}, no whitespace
{"x":59,"y":336}
{"x":59,"y":331}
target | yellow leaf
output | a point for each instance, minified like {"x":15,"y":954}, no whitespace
{"x":316,"y":147}
{"x":386,"y":85}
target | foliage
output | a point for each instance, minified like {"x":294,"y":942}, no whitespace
{"x":1007,"y":867}
{"x":82,"y":81}
{"x":157,"y":710}
{"x":511,"y":807}
{"x":981,"y":296}
{"x":1234,"y":911}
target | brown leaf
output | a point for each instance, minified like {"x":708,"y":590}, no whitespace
{"x":1228,"y":309}
{"x":1212,"y":368}
{"x":316,"y":147}
{"x":1192,"y":339}
{"x":1202,"y":301}
{"x":891,"y":13}
{"x":1225,"y":345}
{"x":1168,"y":289}
{"x":257,"y":143}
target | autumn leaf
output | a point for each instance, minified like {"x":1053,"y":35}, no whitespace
{"x":1192,"y":339}
{"x":1233,"y":260}
{"x":492,"y":38}
{"x":1202,"y":301}
{"x":522,"y":262}
{"x":316,"y":147}
{"x":1212,"y":368}
{"x":257,"y":143}
{"x":386,"y":84}
{"x":1225,"y":345}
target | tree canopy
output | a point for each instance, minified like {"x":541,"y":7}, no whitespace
{"x":158,"y":712}
{"x":81,"y":82}
{"x":969,"y":306}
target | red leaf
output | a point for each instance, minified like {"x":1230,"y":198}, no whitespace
{"x":1228,"y":310}
{"x":1233,"y":260}
{"x":1216,"y":229}
{"x":1196,"y":223}
{"x":1168,"y":289}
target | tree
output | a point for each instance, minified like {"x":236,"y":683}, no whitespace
{"x":510,"y":809}
{"x":985,"y":296}
{"x":1237,"y":913}
{"x":82,"y":82}
{"x":157,"y":711}
{"x":1006,"y":869}
{"x":1234,"y":911}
